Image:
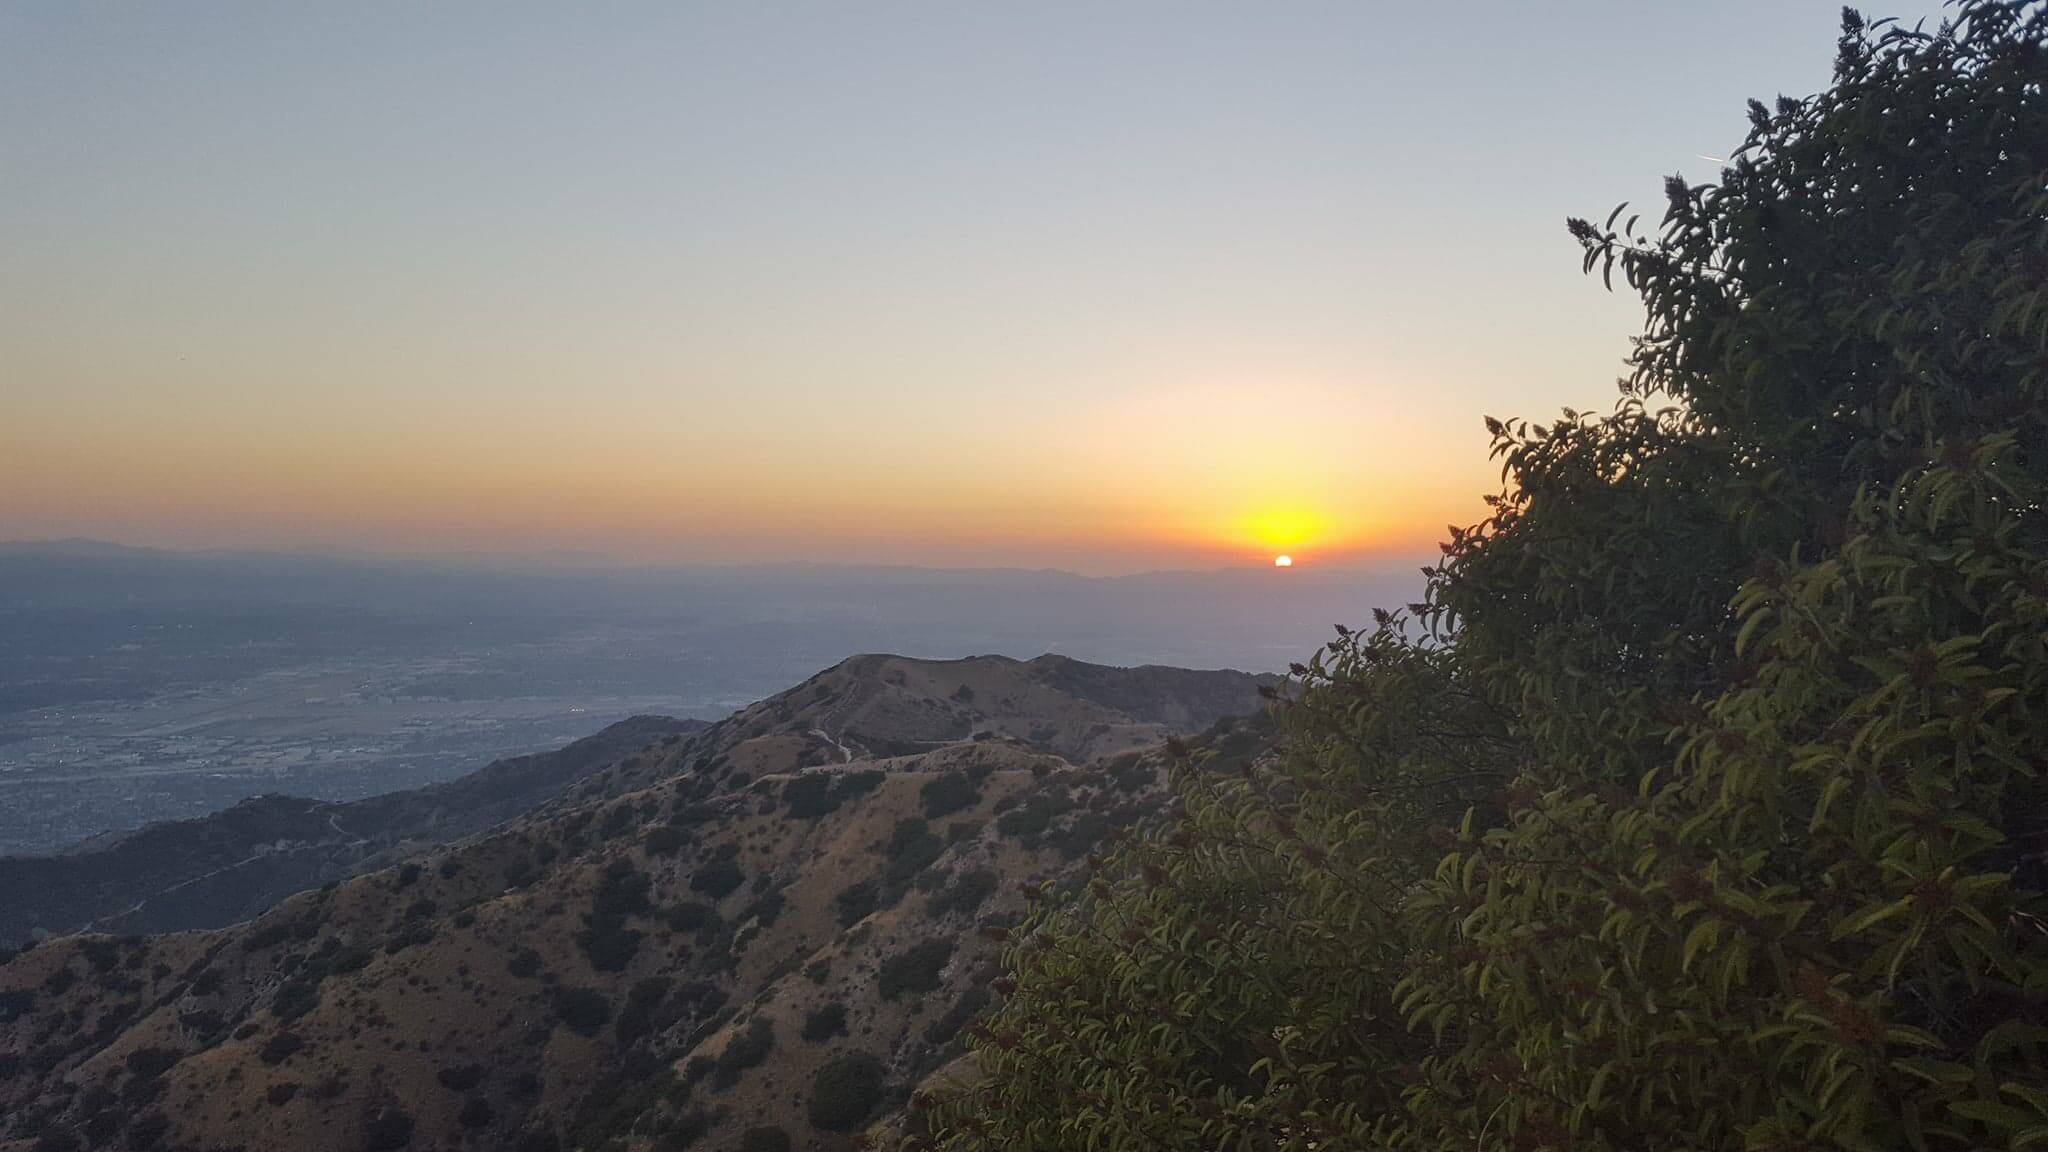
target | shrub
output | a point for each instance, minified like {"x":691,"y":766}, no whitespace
{"x":1131,"y":773}
{"x":844,"y":1092}
{"x":637,"y":1018}
{"x":859,"y":782}
{"x":718,"y":878}
{"x":947,"y":793}
{"x":280,"y":1047}
{"x":520,"y":871}
{"x":525,"y":962}
{"x":147,"y":1131}
{"x":692,"y":917}
{"x":665,"y":840}
{"x":540,"y":1139}
{"x":810,"y":796}
{"x":476,"y":1113}
{"x":294,"y":999}
{"x":967,"y":1007}
{"x":583,"y":1010}
{"x":1030,"y":820}
{"x":1698,"y":804}
{"x":101,"y":953}
{"x":915,"y":969}
{"x":99,"y":1130}
{"x":460,"y":1078}
{"x":617,"y":821}
{"x":825,"y":1022}
{"x":764,"y":1140}
{"x":855,"y":902}
{"x":701,"y":996}
{"x":608,"y":943}
{"x":767,"y":908}
{"x":912,"y":848}
{"x":688,"y":1128}
{"x":149,"y":1063}
{"x":387,"y":1129}
{"x":621,"y":890}
{"x":606,"y":939}
{"x":411,"y":933}
{"x":746,"y":1049}
{"x":965,"y":894}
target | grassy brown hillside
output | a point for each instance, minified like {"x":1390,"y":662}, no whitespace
{"x":780,"y":923}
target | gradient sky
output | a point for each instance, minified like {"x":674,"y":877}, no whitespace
{"x":1095,"y":286}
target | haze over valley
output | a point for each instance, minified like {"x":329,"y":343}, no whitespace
{"x":140,"y":685}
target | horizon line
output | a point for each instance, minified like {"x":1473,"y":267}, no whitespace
{"x":575,"y":559}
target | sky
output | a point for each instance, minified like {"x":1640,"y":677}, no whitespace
{"x":1106,"y":287}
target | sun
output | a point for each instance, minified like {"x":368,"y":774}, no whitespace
{"x":1283,"y":561}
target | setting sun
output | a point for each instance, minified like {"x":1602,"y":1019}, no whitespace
{"x":1283,"y":561}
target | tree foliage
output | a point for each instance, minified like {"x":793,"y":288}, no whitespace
{"x":1699,"y":804}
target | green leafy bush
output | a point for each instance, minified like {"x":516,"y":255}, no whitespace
{"x":1697,"y":805}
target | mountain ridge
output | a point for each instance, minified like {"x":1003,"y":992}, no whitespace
{"x":782,"y":920}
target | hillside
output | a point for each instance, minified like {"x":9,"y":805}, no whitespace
{"x":234,"y":864}
{"x":781,"y":921}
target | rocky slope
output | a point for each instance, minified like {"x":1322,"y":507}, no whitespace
{"x":234,"y":864}
{"x":782,"y":922}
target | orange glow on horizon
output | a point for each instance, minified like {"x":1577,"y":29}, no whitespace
{"x":1212,"y":476}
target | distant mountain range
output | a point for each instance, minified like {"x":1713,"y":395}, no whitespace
{"x":692,"y":936}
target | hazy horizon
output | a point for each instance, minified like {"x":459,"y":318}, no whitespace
{"x":138,"y":685}
{"x":601,"y":562}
